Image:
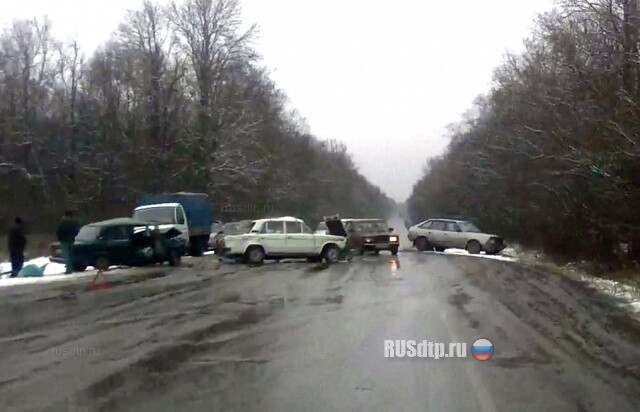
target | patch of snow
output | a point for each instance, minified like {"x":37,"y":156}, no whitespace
{"x":507,"y":257}
{"x":628,"y":295}
{"x":52,"y":268}
{"x":53,"y":272}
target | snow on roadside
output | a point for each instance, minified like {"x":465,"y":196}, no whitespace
{"x":52,"y":268}
{"x":52,"y":272}
{"x":507,"y":255}
{"x":627,"y":294}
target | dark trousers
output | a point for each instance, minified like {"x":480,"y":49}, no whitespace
{"x":17,"y":261}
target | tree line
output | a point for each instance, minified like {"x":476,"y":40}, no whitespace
{"x":550,"y":157}
{"x":176,"y":99}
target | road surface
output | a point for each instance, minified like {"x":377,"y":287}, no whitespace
{"x":296,"y":336}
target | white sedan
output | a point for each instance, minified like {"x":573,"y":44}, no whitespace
{"x":282,"y":238}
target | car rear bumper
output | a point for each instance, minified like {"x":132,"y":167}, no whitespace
{"x":380,"y":246}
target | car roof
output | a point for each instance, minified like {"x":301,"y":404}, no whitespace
{"x":279,"y":219}
{"x":121,"y":221}
{"x":447,"y":220}
{"x":365,"y":220}
{"x":158,"y":205}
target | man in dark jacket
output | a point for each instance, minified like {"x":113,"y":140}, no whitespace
{"x":66,"y":233}
{"x":17,"y":243}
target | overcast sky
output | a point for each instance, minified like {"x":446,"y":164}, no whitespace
{"x":385,"y":77}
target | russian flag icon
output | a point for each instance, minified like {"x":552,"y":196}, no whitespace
{"x":482,"y":349}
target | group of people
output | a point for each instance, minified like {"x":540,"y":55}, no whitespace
{"x":66,"y":233}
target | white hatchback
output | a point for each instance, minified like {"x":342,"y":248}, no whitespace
{"x":440,"y":234}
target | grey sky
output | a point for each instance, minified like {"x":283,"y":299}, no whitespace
{"x":385,"y":77}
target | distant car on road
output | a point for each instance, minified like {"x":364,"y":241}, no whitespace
{"x":440,"y":234}
{"x":281,"y":238}
{"x":369,"y":235}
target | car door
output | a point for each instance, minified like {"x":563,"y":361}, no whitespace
{"x":116,"y":244}
{"x":436,"y":233}
{"x":181,"y":223}
{"x":272,"y":237}
{"x":299,"y":241}
{"x":451,"y":235}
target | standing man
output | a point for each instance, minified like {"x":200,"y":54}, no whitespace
{"x":66,"y":233}
{"x":17,"y":243}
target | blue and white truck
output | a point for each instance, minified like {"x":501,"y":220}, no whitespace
{"x":190,"y":213}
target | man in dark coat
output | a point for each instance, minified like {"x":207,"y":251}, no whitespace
{"x":66,"y":233}
{"x":17,"y":243}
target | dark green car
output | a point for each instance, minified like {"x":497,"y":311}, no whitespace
{"x":123,"y":241}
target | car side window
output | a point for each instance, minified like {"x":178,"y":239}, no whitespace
{"x":306,"y":229}
{"x":274,"y":228}
{"x":115,"y":232}
{"x":293,"y":227}
{"x":180,"y":216}
{"x":437,"y":225}
{"x":426,"y":225}
{"x":451,"y":227}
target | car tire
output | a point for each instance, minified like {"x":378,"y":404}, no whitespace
{"x":331,"y":254}
{"x":376,"y":252}
{"x":102,"y":263}
{"x":474,"y":247}
{"x":174,"y":258}
{"x":254,"y":255}
{"x":79,"y":267}
{"x":422,"y":244}
{"x":196,"y":248}
{"x":394,"y":251}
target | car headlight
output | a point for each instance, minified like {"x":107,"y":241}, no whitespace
{"x":368,"y":240}
{"x":393,"y":239}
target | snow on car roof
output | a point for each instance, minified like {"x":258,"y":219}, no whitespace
{"x":158,"y":205}
{"x":279,"y":219}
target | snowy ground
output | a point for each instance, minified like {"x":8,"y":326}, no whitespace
{"x":508,"y":255}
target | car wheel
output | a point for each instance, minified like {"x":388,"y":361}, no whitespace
{"x":102,"y":263}
{"x":255,"y":255}
{"x":376,"y":252}
{"x":196,"y":249}
{"x":422,"y":244}
{"x":79,"y":267}
{"x":473,"y":247}
{"x":174,"y":258}
{"x":394,"y":251}
{"x":331,"y":254}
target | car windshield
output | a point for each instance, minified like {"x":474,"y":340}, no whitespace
{"x":468,"y":227}
{"x":88,"y":233}
{"x":371,"y":226}
{"x":156,"y":214}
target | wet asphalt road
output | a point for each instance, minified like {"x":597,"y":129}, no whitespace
{"x":296,"y":336}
